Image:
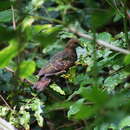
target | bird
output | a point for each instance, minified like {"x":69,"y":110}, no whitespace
{"x":58,"y":64}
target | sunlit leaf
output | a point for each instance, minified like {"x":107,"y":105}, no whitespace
{"x":37,"y":3}
{"x":125,"y":122}
{"x":25,"y":119}
{"x":56,"y":88}
{"x":127,"y":59}
{"x":26,"y":68}
{"x":8,"y":53}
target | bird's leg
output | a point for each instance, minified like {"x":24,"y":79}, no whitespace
{"x":57,"y":73}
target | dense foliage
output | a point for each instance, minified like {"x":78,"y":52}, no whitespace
{"x":94,"y":93}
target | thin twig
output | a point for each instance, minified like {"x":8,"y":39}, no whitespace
{"x":100,"y":42}
{"x":13,"y":17}
{"x":9,"y":69}
{"x":5,"y":102}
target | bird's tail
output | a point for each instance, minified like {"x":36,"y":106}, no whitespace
{"x":42,"y":83}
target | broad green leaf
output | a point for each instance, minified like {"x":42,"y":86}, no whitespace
{"x":85,"y":112}
{"x":44,"y":34}
{"x":8,"y":53}
{"x":75,"y":108}
{"x":5,"y":4}
{"x":56,"y":88}
{"x":98,"y":19}
{"x":93,"y":94}
{"x":27,"y":68}
{"x":5,"y":16}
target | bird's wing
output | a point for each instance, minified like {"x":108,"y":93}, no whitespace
{"x":56,"y":66}
{"x":59,"y":62}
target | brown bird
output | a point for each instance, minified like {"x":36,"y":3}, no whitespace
{"x":58,"y":64}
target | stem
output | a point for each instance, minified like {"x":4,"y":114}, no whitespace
{"x":125,"y":25}
{"x":5,"y":102}
{"x":13,"y":17}
{"x":95,"y":68}
{"x":48,"y":19}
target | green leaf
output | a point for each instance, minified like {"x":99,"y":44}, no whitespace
{"x":58,"y":106}
{"x":85,"y":112}
{"x":5,"y":16}
{"x":37,"y":3}
{"x":27,"y":22}
{"x":98,"y":19}
{"x":75,"y":108}
{"x":33,"y":79}
{"x":56,"y":88}
{"x":105,"y":36}
{"x":24,"y":118}
{"x":8,"y":53}
{"x":27,"y":68}
{"x":5,"y":4}
{"x":93,"y":94}
{"x":125,"y":122}
{"x":127,"y":59}
{"x":37,"y":107}
{"x":112,"y":81}
{"x":46,"y":35}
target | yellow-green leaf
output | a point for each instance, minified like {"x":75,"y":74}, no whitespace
{"x":8,"y":53}
{"x":56,"y":88}
{"x":27,"y":68}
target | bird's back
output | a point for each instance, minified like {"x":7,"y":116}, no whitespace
{"x":61,"y":61}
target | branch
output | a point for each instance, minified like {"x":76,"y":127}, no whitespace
{"x":13,"y":18}
{"x":100,"y":42}
{"x":5,"y":102}
{"x":4,"y":125}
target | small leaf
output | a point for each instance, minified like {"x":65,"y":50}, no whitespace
{"x":105,"y":36}
{"x":24,"y":119}
{"x":56,"y":88}
{"x":125,"y":122}
{"x":26,"y":68}
{"x":37,"y":3}
{"x":127,"y":59}
{"x":27,"y":22}
{"x":37,"y":106}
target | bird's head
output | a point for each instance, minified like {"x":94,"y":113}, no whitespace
{"x":72,"y":43}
